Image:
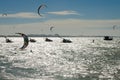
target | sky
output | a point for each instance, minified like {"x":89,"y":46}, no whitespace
{"x":68,"y":17}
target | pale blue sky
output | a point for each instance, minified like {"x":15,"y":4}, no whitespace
{"x":73,"y":17}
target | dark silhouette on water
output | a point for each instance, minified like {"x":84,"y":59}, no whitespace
{"x":66,"y":41}
{"x":26,"y":40}
{"x":108,"y":38}
{"x":93,"y":41}
{"x":31,"y":51}
{"x":48,"y":40}
{"x":8,"y":40}
{"x":32,"y":40}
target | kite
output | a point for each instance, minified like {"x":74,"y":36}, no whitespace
{"x":26,"y":40}
{"x":51,"y":28}
{"x":4,"y":14}
{"x":39,"y":8}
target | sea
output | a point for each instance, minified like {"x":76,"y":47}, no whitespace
{"x":83,"y":59}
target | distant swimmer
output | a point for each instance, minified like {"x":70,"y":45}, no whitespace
{"x":39,"y":8}
{"x":31,"y":51}
{"x":26,"y":40}
{"x":15,"y":53}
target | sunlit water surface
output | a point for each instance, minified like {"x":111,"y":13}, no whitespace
{"x":80,"y":60}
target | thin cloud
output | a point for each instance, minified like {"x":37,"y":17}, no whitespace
{"x":80,"y":22}
{"x":65,"y":27}
{"x":66,"y":12}
{"x":21,"y":15}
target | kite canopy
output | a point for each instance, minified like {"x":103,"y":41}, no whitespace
{"x":51,"y":28}
{"x":115,"y":27}
{"x":4,"y":14}
{"x":26,"y":40}
{"x":40,"y":7}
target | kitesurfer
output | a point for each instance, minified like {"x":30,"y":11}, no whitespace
{"x":26,"y":40}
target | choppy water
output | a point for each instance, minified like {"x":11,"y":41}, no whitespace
{"x":80,"y":60}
